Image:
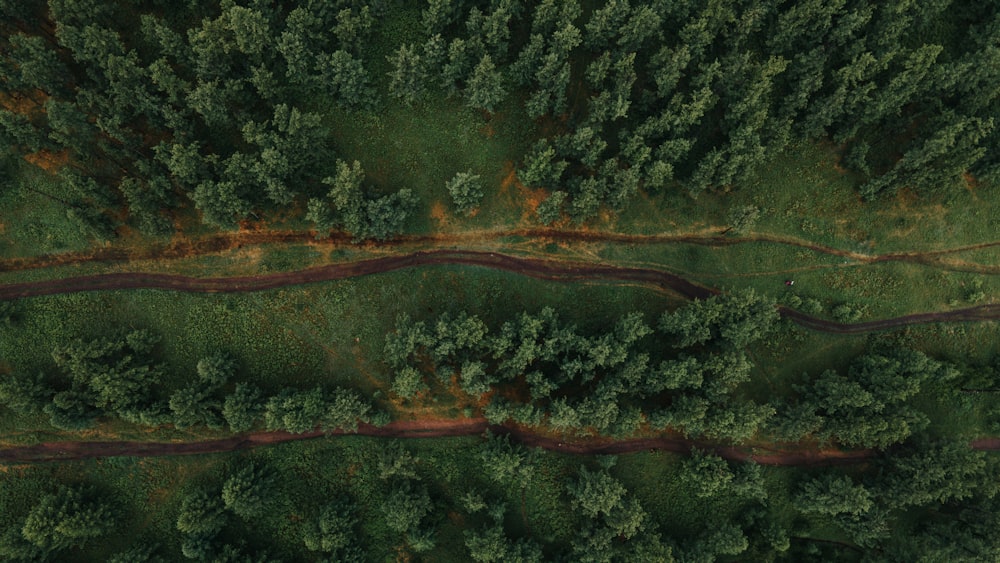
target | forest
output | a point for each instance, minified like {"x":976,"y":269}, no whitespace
{"x":499,"y":280}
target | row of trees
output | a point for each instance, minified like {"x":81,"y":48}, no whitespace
{"x":118,"y":378}
{"x":924,"y":499}
{"x":685,"y":376}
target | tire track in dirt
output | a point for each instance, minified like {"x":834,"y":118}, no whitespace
{"x":792,"y":455}
{"x":552,"y":270}
{"x":228,"y":241}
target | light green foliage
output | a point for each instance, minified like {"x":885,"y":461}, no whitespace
{"x":406,"y":80}
{"x":405,"y":506}
{"x":466,"y":190}
{"x":505,"y":462}
{"x":743,"y":218}
{"x":485,"y":89}
{"x":707,"y":474}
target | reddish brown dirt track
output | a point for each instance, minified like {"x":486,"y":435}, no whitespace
{"x":227,"y":241}
{"x":555,"y":270}
{"x":792,"y":455}
{"x":67,"y":451}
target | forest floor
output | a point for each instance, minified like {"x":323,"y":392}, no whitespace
{"x":788,"y":455}
{"x":546,"y":269}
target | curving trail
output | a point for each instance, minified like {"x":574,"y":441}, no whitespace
{"x":68,"y":451}
{"x":228,"y":241}
{"x":794,"y":455}
{"x":554,"y":270}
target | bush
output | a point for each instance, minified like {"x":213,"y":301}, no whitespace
{"x":466,"y":191}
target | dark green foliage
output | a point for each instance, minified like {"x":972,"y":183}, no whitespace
{"x":243,"y":408}
{"x":138,"y":554}
{"x":869,"y":406}
{"x":202,"y":514}
{"x":378,"y":218}
{"x":333,"y":532}
{"x":832,"y":495}
{"x":302,"y":411}
{"x":69,"y":517}
{"x":25,"y":393}
{"x":246,"y":490}
{"x":405,"y":506}
{"x":395,"y":460}
{"x":733,"y":319}
{"x":111,"y":376}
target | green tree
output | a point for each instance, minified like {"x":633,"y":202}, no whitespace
{"x":485,"y":88}
{"x":596,"y":493}
{"x":333,"y":532}
{"x":394,"y":460}
{"x":246,"y":492}
{"x":243,"y":407}
{"x":707,"y":474}
{"x":69,"y":517}
{"x":833,"y":496}
{"x":504,"y":462}
{"x":466,"y":190}
{"x":405,"y":506}
{"x":25,"y":393}
{"x":406,"y":79}
{"x":345,"y":78}
{"x":491,"y":545}
{"x":742,"y":219}
{"x":202,"y":513}
{"x":551,"y":208}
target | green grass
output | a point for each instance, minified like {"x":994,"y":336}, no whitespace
{"x":423,"y":146}
{"x":32,"y":220}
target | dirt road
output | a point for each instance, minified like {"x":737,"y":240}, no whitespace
{"x":66,"y":451}
{"x":546,"y":269}
{"x":227,"y":241}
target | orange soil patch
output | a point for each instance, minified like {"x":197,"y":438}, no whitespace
{"x":971,"y":183}
{"x":19,"y":103}
{"x":487,"y":131}
{"x":48,"y":161}
{"x":440,"y":214}
{"x":529,"y":199}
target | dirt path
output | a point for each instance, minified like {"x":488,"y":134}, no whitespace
{"x":555,"y":270}
{"x":227,"y":241}
{"x":792,"y":455}
{"x":67,"y":451}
